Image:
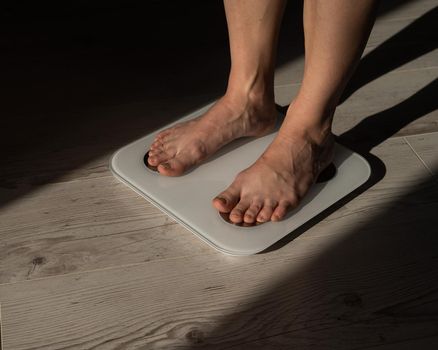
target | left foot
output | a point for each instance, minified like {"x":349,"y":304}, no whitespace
{"x":279,"y":179}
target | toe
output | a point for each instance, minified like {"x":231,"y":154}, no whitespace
{"x":152,"y":159}
{"x":171,"y":167}
{"x":167,"y":140}
{"x":157,"y":154}
{"x":153,"y":152}
{"x":280,"y":211}
{"x":157,"y":157}
{"x":266,"y":212}
{"x":236,"y":215}
{"x":155,"y":145}
{"x":161,"y":134}
{"x":227,"y":200}
{"x":252,"y":212}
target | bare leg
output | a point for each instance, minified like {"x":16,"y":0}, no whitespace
{"x":247,"y":108}
{"x":336,"y":32}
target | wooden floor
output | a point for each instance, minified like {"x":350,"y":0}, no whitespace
{"x":85,"y":263}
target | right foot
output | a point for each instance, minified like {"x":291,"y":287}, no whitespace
{"x":177,"y":149}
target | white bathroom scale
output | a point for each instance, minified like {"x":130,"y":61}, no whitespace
{"x":187,"y":198}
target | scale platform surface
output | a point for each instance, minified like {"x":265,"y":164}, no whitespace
{"x":188,"y":198}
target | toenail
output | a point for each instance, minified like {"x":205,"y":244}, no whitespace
{"x":165,"y":165}
{"x":222,"y":200}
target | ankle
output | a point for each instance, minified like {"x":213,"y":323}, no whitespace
{"x":252,"y":100}
{"x":309,"y":120}
{"x":317,"y":130}
{"x":257,"y":86}
{"x":316,"y":105}
{"x":320,"y":138}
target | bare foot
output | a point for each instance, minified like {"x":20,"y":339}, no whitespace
{"x":186,"y":144}
{"x":279,"y":179}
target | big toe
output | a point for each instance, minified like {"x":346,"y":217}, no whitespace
{"x":226,"y":201}
{"x":177,"y":164}
{"x":157,"y":156}
{"x":171,"y":167}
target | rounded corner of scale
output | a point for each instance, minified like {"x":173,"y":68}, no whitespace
{"x":112,"y":164}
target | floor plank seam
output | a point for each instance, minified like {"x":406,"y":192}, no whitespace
{"x":286,"y":85}
{"x":421,"y":133}
{"x":399,"y":19}
{"x":420,"y":159}
{"x":394,"y":71}
{"x":1,"y":328}
{"x":412,"y":69}
{"x":410,"y":135}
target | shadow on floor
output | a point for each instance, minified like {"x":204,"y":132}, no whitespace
{"x":396,"y":51}
{"x":82,"y":80}
{"x":369,"y":133}
{"x":376,"y":285}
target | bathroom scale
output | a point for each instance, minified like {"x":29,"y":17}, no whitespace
{"x":188,"y":198}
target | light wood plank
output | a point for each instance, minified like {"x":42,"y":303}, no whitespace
{"x":392,"y":38}
{"x":102,"y":223}
{"x":99,"y":220}
{"x":387,"y":100}
{"x":402,"y":9}
{"x":397,"y":9}
{"x":291,"y":72}
{"x":385,"y":29}
{"x":426,"y":147}
{"x":319,"y":303}
{"x":355,"y":274}
{"x":1,"y":331}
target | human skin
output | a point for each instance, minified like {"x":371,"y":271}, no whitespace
{"x":335,"y":32}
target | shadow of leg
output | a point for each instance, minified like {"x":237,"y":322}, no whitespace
{"x":415,"y":40}
{"x":376,"y":128}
